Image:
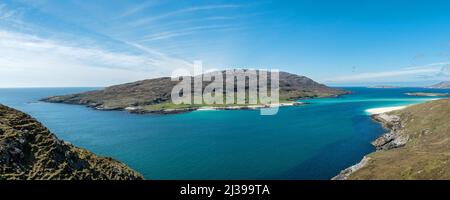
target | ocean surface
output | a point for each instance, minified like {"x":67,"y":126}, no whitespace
{"x":313,"y":141}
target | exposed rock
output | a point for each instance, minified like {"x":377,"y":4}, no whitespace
{"x":416,"y":146}
{"x":394,"y":137}
{"x":28,"y":150}
{"x":344,"y":174}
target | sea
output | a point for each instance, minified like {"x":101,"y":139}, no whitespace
{"x":312,"y":141}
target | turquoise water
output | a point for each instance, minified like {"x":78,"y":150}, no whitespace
{"x":314,"y":141}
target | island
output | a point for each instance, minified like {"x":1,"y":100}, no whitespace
{"x":29,"y":151}
{"x":154,"y":96}
{"x":415,"y":146}
{"x":427,"y":94}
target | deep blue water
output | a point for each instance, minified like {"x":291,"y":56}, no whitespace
{"x":314,"y":141}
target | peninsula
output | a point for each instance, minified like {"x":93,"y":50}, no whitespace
{"x":154,"y":96}
{"x":416,"y":145}
{"x":29,"y":151}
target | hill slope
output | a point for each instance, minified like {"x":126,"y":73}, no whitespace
{"x":28,"y":150}
{"x":150,"y":93}
{"x":416,"y":147}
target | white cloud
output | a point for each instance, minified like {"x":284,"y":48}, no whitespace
{"x":138,"y":8}
{"x":27,"y":60}
{"x":6,"y":14}
{"x":183,"y":11}
{"x":187,"y":31}
{"x":430,"y":70}
{"x":445,"y":71}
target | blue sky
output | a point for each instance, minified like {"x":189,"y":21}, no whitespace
{"x":97,"y":43}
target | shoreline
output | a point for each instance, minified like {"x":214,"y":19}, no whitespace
{"x":141,"y":110}
{"x":249,"y":107}
{"x":210,"y":108}
{"x":381,"y":110}
{"x":390,"y":139}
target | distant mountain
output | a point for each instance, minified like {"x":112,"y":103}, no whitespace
{"x":29,"y":151}
{"x":153,"y":95}
{"x":441,"y":85}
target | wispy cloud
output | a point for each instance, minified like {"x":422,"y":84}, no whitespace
{"x":432,"y":70}
{"x":33,"y":59}
{"x":27,"y":58}
{"x":5,"y":14}
{"x":187,"y":31}
{"x":89,"y":56}
{"x":8,"y":16}
{"x":183,"y":11}
{"x":137,"y":8}
{"x":445,"y":71}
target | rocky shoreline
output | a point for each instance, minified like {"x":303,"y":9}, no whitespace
{"x":393,"y":138}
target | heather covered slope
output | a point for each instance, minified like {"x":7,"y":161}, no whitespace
{"x":29,"y":151}
{"x":152,"y":93}
{"x":419,"y":147}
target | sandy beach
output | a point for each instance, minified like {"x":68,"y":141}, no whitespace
{"x":374,"y":111}
{"x":249,"y":107}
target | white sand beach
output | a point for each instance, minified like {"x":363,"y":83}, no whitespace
{"x":374,"y":111}
{"x":249,"y":107}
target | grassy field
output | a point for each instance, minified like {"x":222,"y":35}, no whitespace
{"x":426,"y":155}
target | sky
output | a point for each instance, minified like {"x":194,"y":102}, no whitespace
{"x":77,"y":43}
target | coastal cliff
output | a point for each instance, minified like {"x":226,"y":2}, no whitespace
{"x":153,"y":95}
{"x":29,"y":151}
{"x":416,"y":146}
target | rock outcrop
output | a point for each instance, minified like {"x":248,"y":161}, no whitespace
{"x":29,"y":151}
{"x":416,"y":146}
{"x":394,"y":137}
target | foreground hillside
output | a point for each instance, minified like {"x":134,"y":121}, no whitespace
{"x":28,"y":150}
{"x":416,"y":147}
{"x":154,"y":95}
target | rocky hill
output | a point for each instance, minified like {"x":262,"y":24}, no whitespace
{"x":441,"y":85}
{"x":154,"y":94}
{"x":29,"y":151}
{"x":416,"y":146}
